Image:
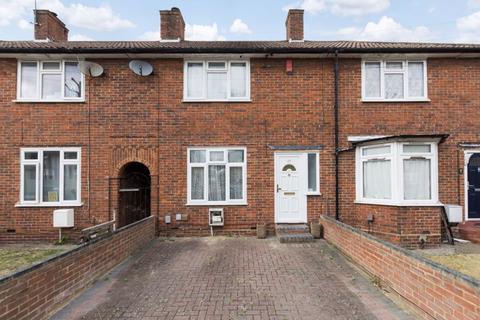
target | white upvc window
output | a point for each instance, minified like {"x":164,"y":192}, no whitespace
{"x":397,"y":173}
{"x":313,"y":173}
{"x":217,"y":176}
{"x":50,"y":176}
{"x":50,"y":81}
{"x":217,"y":80}
{"x":394,"y":80}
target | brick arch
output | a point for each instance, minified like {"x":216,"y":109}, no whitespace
{"x":118,"y":168}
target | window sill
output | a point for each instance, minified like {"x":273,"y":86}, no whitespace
{"x":400,"y":204}
{"x":205,"y":204}
{"x":47,"y":205}
{"x":396,"y":100}
{"x":48,"y":101}
{"x":216,"y":101}
{"x":314,"y":193}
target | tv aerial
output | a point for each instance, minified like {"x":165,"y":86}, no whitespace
{"x":141,"y":68}
{"x":90,"y":68}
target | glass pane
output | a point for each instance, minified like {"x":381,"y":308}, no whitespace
{"x":29,"y":182}
{"x":289,"y":167}
{"x":236,"y":183}
{"x":312,"y":172}
{"x":31,"y":155}
{"x":235,"y":156}
{"x":416,"y":179}
{"x":376,"y":179}
{"x":394,"y":65}
{"x":416,"y":79}
{"x":394,"y":86}
{"x":73,"y":80}
{"x":70,"y":182}
{"x":51,"y":176}
{"x":216,"y":183}
{"x":28,"y":87}
{"x":197,"y":156}
{"x":216,"y":65}
{"x":238,"y":79}
{"x":197,"y":183}
{"x":372,"y":151}
{"x":70,"y":155}
{"x":216,"y":155}
{"x":217,"y":85}
{"x":51,"y":66}
{"x":372,"y":80}
{"x":195,"y":80}
{"x":51,"y":86}
{"x":416,"y":148}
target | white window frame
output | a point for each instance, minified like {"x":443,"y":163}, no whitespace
{"x":228,"y":165}
{"x":204,"y":96}
{"x":40,"y":72}
{"x":39,"y":169}
{"x":396,"y":157}
{"x":404,"y":71}
{"x":317,"y":177}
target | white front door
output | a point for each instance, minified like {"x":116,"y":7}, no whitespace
{"x":291,"y":187}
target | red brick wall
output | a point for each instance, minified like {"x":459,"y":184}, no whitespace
{"x":434,"y":290}
{"x":49,"y":27}
{"x":41,"y":290}
{"x":143,"y":119}
{"x":454,"y":109}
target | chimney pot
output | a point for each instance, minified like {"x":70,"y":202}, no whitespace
{"x":294,"y":25}
{"x":49,"y":27}
{"x":172,"y":25}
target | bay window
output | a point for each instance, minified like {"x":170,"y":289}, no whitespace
{"x":398,"y":173}
{"x":49,"y":81}
{"x":50,"y":176}
{"x":216,"y":176}
{"x":396,"y":80}
{"x":217,"y":80}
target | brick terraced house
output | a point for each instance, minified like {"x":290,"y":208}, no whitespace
{"x":379,"y":135}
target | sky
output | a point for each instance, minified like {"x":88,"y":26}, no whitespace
{"x":375,"y":20}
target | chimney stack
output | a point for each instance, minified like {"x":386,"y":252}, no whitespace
{"x":172,"y":25}
{"x":294,"y":25}
{"x":49,"y":27}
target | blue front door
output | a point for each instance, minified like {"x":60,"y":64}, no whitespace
{"x":474,"y":186}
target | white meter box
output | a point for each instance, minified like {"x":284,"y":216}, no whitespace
{"x":215,"y":216}
{"x":63,"y":218}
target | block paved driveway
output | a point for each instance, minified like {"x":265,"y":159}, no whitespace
{"x":233,"y":278}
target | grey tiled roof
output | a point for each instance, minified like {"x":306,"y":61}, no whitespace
{"x":230,"y":47}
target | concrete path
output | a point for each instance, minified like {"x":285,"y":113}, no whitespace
{"x":233,"y":278}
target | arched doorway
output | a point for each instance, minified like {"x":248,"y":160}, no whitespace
{"x":134,"y":193}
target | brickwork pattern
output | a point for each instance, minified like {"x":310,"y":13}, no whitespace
{"x":436,"y":291}
{"x":41,"y":290}
{"x":235,"y":278}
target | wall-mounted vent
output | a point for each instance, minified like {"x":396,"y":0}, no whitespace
{"x":215,"y":216}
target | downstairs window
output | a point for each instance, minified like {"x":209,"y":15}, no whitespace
{"x":50,"y":176}
{"x":398,"y":173}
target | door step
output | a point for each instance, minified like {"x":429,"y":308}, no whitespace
{"x":293,"y":233}
{"x":470,"y":231}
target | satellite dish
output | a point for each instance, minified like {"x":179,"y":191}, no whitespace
{"x":90,"y":68}
{"x":141,"y":68}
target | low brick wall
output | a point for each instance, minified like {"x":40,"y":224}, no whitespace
{"x":436,"y":291}
{"x":38,"y":291}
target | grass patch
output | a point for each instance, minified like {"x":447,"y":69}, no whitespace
{"x":12,"y":259}
{"x":464,"y":263}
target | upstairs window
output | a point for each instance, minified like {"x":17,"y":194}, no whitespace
{"x":49,"y":81}
{"x":394,"y":80}
{"x":399,"y":173}
{"x":217,"y":176}
{"x":50,"y":176}
{"x":217,"y":81}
